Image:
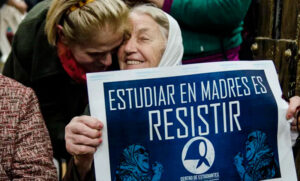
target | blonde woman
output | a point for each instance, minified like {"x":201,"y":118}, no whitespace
{"x":154,"y":41}
{"x":56,"y":44}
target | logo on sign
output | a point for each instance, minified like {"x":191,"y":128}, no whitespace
{"x":198,"y":155}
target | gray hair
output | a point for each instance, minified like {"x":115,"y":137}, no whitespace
{"x":156,"y":14}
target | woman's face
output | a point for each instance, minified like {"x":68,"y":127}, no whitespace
{"x":145,"y":45}
{"x":96,"y":54}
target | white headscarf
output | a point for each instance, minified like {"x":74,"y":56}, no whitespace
{"x":174,"y":49}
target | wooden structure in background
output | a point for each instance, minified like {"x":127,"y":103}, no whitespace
{"x":278,"y":40}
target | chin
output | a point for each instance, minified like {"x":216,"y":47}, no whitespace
{"x":96,"y":69}
{"x":129,"y":67}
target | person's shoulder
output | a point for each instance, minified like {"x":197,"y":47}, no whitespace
{"x":13,"y":88}
{"x":37,"y":13}
{"x":28,"y":29}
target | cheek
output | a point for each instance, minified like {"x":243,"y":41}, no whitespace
{"x":158,"y":49}
{"x":121,"y":54}
{"x":148,"y":52}
{"x":121,"y":58}
{"x":83,"y":59}
{"x":157,"y":52}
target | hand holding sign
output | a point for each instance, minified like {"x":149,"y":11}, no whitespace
{"x":83,"y":136}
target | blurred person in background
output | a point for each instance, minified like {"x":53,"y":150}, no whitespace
{"x":20,"y":5}
{"x":11,"y":14}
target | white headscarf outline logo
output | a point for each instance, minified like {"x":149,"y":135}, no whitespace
{"x":198,"y":164}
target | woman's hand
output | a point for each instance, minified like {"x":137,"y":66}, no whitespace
{"x":83,"y":136}
{"x":292,"y":111}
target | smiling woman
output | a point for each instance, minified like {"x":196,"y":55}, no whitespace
{"x":154,"y":40}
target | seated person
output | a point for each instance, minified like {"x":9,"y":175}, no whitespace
{"x":25,"y":147}
{"x":155,"y":40}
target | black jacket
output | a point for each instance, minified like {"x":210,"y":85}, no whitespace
{"x":2,"y":2}
{"x":35,"y":63}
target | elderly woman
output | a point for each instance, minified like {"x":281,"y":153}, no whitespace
{"x":154,"y":40}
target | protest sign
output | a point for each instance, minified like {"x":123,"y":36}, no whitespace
{"x":210,"y":121}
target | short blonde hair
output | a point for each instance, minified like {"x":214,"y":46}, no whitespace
{"x":156,"y":14}
{"x":80,"y":24}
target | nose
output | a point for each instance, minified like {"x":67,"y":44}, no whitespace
{"x":107,"y":59}
{"x":130,"y":45}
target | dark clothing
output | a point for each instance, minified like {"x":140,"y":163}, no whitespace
{"x":73,"y":175}
{"x":31,"y":3}
{"x":208,"y":27}
{"x":35,"y":63}
{"x":2,"y":2}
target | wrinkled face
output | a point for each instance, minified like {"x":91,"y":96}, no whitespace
{"x":96,"y":54}
{"x":142,"y":158}
{"x":251,"y":146}
{"x":145,"y":45}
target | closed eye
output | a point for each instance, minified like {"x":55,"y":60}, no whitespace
{"x":144,"y":38}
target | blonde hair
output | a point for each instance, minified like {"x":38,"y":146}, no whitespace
{"x":156,"y":14}
{"x":80,"y":24}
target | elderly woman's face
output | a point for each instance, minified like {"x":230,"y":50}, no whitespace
{"x":144,"y":47}
{"x":96,"y":54}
